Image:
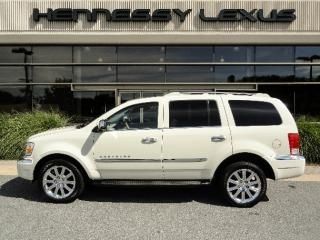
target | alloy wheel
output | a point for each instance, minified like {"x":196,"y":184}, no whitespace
{"x":59,"y":182}
{"x":243,"y":185}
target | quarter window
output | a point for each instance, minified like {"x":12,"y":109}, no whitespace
{"x":197,"y":113}
{"x":254,"y":113}
{"x":140,"y":116}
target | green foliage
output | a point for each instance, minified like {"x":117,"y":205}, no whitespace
{"x":15,"y":128}
{"x":310,"y":140}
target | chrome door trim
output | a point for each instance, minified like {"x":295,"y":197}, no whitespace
{"x":182,"y":160}
{"x":125,"y":160}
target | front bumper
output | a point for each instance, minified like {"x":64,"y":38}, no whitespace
{"x":25,"y":168}
{"x":289,"y":166}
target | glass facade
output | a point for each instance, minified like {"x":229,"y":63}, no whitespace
{"x":40,"y":77}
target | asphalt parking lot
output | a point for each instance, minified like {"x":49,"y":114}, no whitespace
{"x":292,"y":212}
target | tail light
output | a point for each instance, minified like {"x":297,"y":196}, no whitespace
{"x":294,"y":143}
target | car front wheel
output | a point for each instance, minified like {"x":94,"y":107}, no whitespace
{"x":244,"y":184}
{"x":61,"y":181}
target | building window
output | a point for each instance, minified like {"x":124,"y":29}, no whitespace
{"x":270,"y":54}
{"x":55,"y":97}
{"x":141,"y":74}
{"x":234,"y":73}
{"x":307,"y":54}
{"x":52,"y":54}
{"x":15,"y":75}
{"x":15,"y":54}
{"x":14,"y":99}
{"x":92,"y":104}
{"x":93,"y":54}
{"x":141,"y":54}
{"x":189,"y":54}
{"x":54,"y":74}
{"x":94,"y":74}
{"x":190,"y":74}
{"x":144,"y":54}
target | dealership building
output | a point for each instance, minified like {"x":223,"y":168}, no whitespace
{"x":83,"y":57}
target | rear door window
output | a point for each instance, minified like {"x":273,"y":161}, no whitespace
{"x":254,"y":113}
{"x":195,"y":113}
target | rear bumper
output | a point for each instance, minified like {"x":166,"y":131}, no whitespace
{"x":288,"y":166}
{"x":25,"y":168}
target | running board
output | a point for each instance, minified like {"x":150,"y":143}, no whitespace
{"x":153,"y":182}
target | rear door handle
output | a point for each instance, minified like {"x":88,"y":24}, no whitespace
{"x":219,"y":138}
{"x":148,"y":140}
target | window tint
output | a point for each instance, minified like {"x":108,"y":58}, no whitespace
{"x":197,"y":113}
{"x":254,"y":113}
{"x":135,"y":117}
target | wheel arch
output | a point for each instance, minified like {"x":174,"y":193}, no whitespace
{"x":248,"y":157}
{"x":65,"y":157}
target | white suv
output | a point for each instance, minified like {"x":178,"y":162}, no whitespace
{"x":234,"y":140}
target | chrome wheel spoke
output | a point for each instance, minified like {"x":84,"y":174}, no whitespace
{"x":234,"y":182}
{"x":249,"y":193}
{"x":236,"y":174}
{"x":56,"y":171}
{"x":250,"y":176}
{"x":232,"y":188}
{"x":48,"y":181}
{"x":52,"y":186}
{"x":51,"y":175}
{"x":56,"y":191}
{"x":237,"y":193}
{"x":254,"y":189}
{"x":62,"y":191}
{"x":253,"y":183}
{"x":63,"y":171}
{"x":243,"y":196}
{"x":67,"y":187}
{"x":243,"y":174}
{"x":69,"y":175}
{"x":70,"y":182}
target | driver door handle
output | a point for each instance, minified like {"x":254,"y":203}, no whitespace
{"x":148,"y":140}
{"x":219,"y":138}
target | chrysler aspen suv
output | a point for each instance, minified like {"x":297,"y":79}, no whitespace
{"x":234,"y":140}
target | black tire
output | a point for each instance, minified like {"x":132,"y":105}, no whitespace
{"x":230,"y":170}
{"x":77,"y":177}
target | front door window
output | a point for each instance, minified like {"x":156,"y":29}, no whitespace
{"x":140,"y":116}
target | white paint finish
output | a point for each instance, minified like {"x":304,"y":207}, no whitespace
{"x":194,"y":143}
{"x":183,"y":144}
{"x":136,"y":160}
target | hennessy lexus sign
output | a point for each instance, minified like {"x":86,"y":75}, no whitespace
{"x":164,"y":15}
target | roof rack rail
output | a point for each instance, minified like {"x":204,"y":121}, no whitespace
{"x":218,"y":93}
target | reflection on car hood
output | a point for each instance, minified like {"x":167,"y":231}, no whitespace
{"x":53,"y":131}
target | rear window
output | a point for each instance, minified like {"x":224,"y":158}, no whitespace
{"x":196,"y":113}
{"x":254,"y":113}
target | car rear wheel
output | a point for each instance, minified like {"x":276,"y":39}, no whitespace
{"x":61,"y":181}
{"x":243,"y":184}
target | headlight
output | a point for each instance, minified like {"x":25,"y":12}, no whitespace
{"x":29,"y":149}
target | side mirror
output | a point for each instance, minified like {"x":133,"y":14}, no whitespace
{"x":102,"y":125}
